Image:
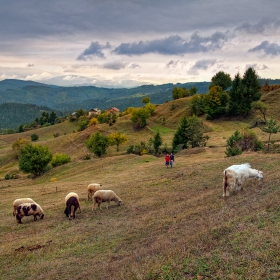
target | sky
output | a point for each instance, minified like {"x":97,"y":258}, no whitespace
{"x":127,"y":43}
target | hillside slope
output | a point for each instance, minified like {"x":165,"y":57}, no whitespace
{"x":173,"y":224}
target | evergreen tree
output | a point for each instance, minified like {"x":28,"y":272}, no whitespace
{"x":251,"y":89}
{"x":157,"y":142}
{"x":236,"y":96}
{"x":189,"y":134}
{"x":270,"y":127}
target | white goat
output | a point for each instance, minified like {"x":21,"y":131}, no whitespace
{"x":236,"y":175}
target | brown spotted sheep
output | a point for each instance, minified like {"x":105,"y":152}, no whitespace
{"x":104,"y":196}
{"x":28,"y":209}
{"x":19,"y":201}
{"x":92,"y":188}
{"x":72,"y":204}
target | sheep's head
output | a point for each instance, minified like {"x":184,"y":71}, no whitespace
{"x":42,"y":216}
{"x":119,"y":202}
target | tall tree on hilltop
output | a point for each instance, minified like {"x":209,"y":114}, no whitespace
{"x":236,"y":96}
{"x":251,"y":89}
{"x":221,"y":79}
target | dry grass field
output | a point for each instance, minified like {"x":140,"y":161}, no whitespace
{"x":173,"y":224}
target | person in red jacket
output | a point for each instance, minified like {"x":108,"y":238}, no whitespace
{"x":167,"y":160}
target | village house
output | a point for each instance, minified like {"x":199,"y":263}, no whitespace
{"x":94,"y":112}
{"x":113,"y":110}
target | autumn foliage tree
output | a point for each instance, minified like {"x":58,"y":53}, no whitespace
{"x":117,"y":139}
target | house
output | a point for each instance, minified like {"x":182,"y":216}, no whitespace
{"x":94,"y":112}
{"x":113,"y":110}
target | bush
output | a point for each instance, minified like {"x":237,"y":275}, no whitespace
{"x":232,"y":145}
{"x":60,"y":159}
{"x":34,"y":159}
{"x":97,"y":144}
{"x":34,"y":137}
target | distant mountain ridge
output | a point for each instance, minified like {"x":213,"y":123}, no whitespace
{"x":67,"y":99}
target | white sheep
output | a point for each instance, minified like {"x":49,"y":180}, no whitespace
{"x":92,"y":188}
{"x":19,"y":201}
{"x":72,"y":204}
{"x":28,"y":209}
{"x":104,"y":196}
{"x":236,"y":175}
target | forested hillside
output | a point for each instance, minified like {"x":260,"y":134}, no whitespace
{"x":67,"y":99}
{"x":14,"y":114}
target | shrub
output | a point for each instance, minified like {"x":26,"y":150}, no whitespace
{"x":97,"y":144}
{"x":34,"y":159}
{"x":60,"y":159}
{"x":34,"y":137}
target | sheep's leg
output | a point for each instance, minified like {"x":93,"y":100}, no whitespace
{"x":108,"y":204}
{"x":99,"y":205}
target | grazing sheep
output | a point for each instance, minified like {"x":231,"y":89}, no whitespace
{"x":28,"y":209}
{"x":92,"y":188}
{"x":236,"y":175}
{"x":72,"y":204}
{"x":19,"y":201}
{"x":104,"y":196}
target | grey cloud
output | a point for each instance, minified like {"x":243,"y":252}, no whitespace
{"x":268,"y":48}
{"x":174,"y":45}
{"x":95,"y":49}
{"x":256,"y":66}
{"x":259,"y":27}
{"x":114,"y":65}
{"x":176,"y":63}
{"x":30,"y":65}
{"x":134,"y":65}
{"x":202,"y":64}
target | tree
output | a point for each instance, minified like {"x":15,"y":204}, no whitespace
{"x":193,"y":91}
{"x":215,"y":102}
{"x":221,"y":79}
{"x":117,"y":139}
{"x":189,"y":134}
{"x":232,"y":145}
{"x":251,"y":89}
{"x":34,"y":137}
{"x":139,"y":117}
{"x":197,"y":104}
{"x":146,"y":100}
{"x":97,"y":144}
{"x":261,"y":108}
{"x":178,"y":92}
{"x":270,"y":127}
{"x":235,"y":96}
{"x":18,"y":145}
{"x":157,"y":141}
{"x":34,"y":159}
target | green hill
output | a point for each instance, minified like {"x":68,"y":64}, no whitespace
{"x":173,"y":224}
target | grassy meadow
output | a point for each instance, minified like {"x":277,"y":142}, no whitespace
{"x":173,"y":224}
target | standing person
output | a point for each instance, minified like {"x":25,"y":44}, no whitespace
{"x":171,"y":160}
{"x":167,"y":160}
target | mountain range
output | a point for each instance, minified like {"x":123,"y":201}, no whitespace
{"x":65,"y":100}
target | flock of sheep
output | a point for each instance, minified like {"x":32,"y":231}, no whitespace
{"x":28,"y":207}
{"x":234,"y":177}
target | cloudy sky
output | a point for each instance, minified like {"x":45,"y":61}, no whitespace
{"x":126,"y":43}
